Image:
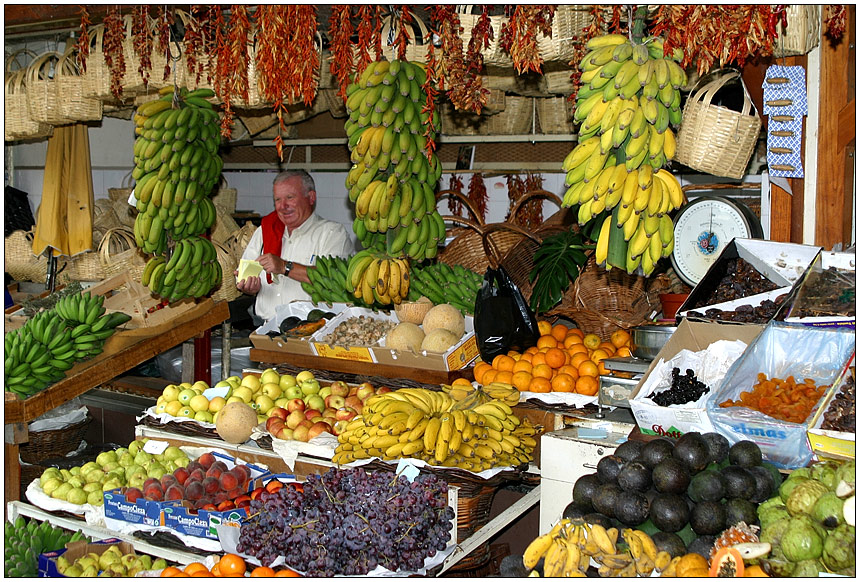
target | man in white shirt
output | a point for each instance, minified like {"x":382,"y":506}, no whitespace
{"x":287,"y":242}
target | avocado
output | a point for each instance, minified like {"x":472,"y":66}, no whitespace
{"x":608,"y":468}
{"x":669,"y":512}
{"x":708,"y":518}
{"x":511,"y":566}
{"x":605,"y":498}
{"x":764,"y":485}
{"x":739,"y":482}
{"x":745,"y":454}
{"x":740,"y":510}
{"x":692,"y":450}
{"x":631,"y":508}
{"x":583,"y":491}
{"x":315,"y":315}
{"x":702,"y":545}
{"x":289,"y":323}
{"x":634,"y":476}
{"x":572,"y":511}
{"x":706,"y":486}
{"x":669,"y":542}
{"x":718,"y":446}
{"x":599,"y":519}
{"x":670,"y":476}
{"x":774,"y":472}
{"x":629,"y":450}
{"x":655,"y":451}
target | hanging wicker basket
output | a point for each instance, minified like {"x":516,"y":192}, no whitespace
{"x":715,"y":139}
{"x":43,"y":99}
{"x":554,"y":115}
{"x":71,"y":87}
{"x":96,"y":79}
{"x":568,"y":24}
{"x":802,"y":33}
{"x":418,"y":37}
{"x":119,"y":254}
{"x":17,"y":121}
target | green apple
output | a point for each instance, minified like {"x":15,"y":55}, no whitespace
{"x":200,"y":385}
{"x":203,"y":416}
{"x":251,"y":381}
{"x":261,"y":418}
{"x":217,"y":404}
{"x":272,"y":390}
{"x":294,"y":391}
{"x":316,"y":402}
{"x":304,"y":375}
{"x":243,"y":392}
{"x":270,"y":375}
{"x":264,"y":403}
{"x":199,"y":403}
{"x":170,"y":392}
{"x":161,"y":408}
{"x":286,"y":381}
{"x":324,"y":392}
{"x":282,"y":402}
{"x":186,"y":395}
{"x":310,"y":387}
{"x":51,"y":485}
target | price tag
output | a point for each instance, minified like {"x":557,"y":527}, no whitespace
{"x":155,"y":447}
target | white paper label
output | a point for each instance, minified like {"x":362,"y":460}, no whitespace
{"x":155,"y":447}
{"x":407,"y":469}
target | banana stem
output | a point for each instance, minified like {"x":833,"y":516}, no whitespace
{"x":640,"y":13}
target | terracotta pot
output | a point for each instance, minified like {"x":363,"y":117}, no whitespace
{"x":671,"y":302}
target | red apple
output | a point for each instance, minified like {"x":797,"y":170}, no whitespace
{"x":305,"y":423}
{"x":286,"y":434}
{"x":296,"y":404}
{"x":300,"y":433}
{"x":329,"y":413}
{"x":344,"y":413}
{"x":365,"y":390}
{"x":340,"y":388}
{"x":334,"y":401}
{"x":274,"y":425}
{"x":318,"y":428}
{"x":295,"y":417}
{"x":383,"y":390}
{"x":312,"y":413}
{"x":353,"y":390}
{"x":340,"y":426}
{"x":279,"y":412}
{"x":353,"y":402}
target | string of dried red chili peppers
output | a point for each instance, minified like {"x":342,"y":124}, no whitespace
{"x":340,"y":31}
{"x":471,"y":95}
{"x":478,"y":194}
{"x":533,"y":216}
{"x":142,"y":40}
{"x":364,"y":37}
{"x":516,"y":188}
{"x":231,"y":73}
{"x":430,"y":101}
{"x":834,"y":22}
{"x":209,"y":31}
{"x":112,"y":47}
{"x":83,"y":45}
{"x":163,"y":22}
{"x":455,"y":205}
{"x":450,"y":68}
{"x":377,"y":32}
{"x":404,"y":21}
{"x":518,"y":36}
{"x":192,"y":41}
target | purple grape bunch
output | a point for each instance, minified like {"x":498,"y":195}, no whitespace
{"x":349,"y":521}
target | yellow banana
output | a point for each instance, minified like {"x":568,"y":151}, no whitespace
{"x":603,"y":241}
{"x":536,"y":550}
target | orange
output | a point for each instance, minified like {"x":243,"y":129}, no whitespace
{"x":559,"y":332}
{"x":572,"y":339}
{"x":570,"y":370}
{"x":170,"y":572}
{"x":587,"y":385}
{"x":195,"y":567}
{"x":541,"y":385}
{"x":555,"y":358}
{"x":521,"y":380}
{"x":514,"y":354}
{"x":563,"y":383}
{"x":588,"y":368}
{"x":522,"y":366}
{"x":479,"y":370}
{"x":287,"y":573}
{"x":461,"y":382}
{"x":180,"y":574}
{"x":577,"y":359}
{"x":503,"y":376}
{"x":488,"y":376}
{"x":262,"y":572}
{"x":542,"y":371}
{"x":601,"y":368}
{"x":547,"y":341}
{"x":577,"y":349}
{"x":623,"y":352}
{"x":599,"y":355}
{"x":503,"y":363}
{"x":607,"y":347}
{"x":203,"y":574}
{"x":591,"y":341}
{"x":544,"y":327}
{"x":531,"y":350}
{"x":619,"y":338}
{"x":689,"y":562}
{"x":232,"y":565}
{"x":217,"y":571}
{"x":538,"y":359}
{"x":526,"y":357}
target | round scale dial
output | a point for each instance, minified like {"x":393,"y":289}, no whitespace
{"x":703,"y":228}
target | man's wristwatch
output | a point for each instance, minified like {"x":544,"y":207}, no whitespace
{"x":288,"y":266}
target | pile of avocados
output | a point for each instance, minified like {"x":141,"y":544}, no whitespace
{"x":684,"y":493}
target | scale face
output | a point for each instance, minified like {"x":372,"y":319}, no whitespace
{"x":703,"y":228}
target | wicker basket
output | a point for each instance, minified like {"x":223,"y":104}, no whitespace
{"x":416,"y":47}
{"x":86,"y":267}
{"x":802,"y":33}
{"x":554,"y":115}
{"x":602,"y":301}
{"x":517,"y":118}
{"x":240,"y":239}
{"x":18,"y":124}
{"x":714,"y":139}
{"x":21,"y":263}
{"x":71,"y":87}
{"x":227,"y":291}
{"x":224,"y":226}
{"x":49,"y":444}
{"x":119,"y":254}
{"x":226,"y":198}
{"x":568,"y":24}
{"x":492,"y":54}
{"x":97,"y":76}
{"x":43,"y":99}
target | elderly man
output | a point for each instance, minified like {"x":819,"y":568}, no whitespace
{"x":288,"y":242}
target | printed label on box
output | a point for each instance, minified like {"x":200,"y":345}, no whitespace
{"x":352,"y":353}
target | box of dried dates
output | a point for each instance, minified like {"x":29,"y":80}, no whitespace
{"x":749,"y":281}
{"x":826,"y":294}
{"x":833,"y":431}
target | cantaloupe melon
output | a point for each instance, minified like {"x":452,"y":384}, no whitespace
{"x":235,"y":422}
{"x":405,"y":336}
{"x":439,"y":340}
{"x":445,"y":316}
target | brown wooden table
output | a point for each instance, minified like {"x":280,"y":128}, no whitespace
{"x":87,"y":375}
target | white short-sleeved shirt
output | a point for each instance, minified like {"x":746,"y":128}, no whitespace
{"x":315,"y":237}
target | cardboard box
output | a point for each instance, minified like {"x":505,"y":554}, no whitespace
{"x":844,"y":267}
{"x":142,"y":511}
{"x":694,"y":336}
{"x":74,"y":550}
{"x":781,"y":350}
{"x":831,"y":443}
{"x":456,"y":357}
{"x":781,"y":263}
{"x":301,"y":346}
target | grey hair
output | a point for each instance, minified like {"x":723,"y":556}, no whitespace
{"x":307,"y":181}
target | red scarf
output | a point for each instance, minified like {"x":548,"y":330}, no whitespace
{"x":273,"y":234}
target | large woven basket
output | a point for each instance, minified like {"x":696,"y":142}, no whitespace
{"x":43,"y":98}
{"x":50,"y":444}
{"x":86,"y":267}
{"x":71,"y":87}
{"x":227,"y":291}
{"x":119,"y":254}
{"x":602,"y":301}
{"x":237,"y":241}
{"x":17,"y":121}
{"x":802,"y":33}
{"x":20,"y":262}
{"x":224,"y":225}
{"x":517,"y":118}
{"x":418,"y":36}
{"x":715,"y":139}
{"x":568,"y":24}
{"x":554,"y":115}
{"x":97,"y":75}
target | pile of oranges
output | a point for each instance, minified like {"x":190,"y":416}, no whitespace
{"x":229,"y":566}
{"x":564,"y":360}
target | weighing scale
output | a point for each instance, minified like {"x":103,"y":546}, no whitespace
{"x":703,"y":228}
{"x":616,"y":391}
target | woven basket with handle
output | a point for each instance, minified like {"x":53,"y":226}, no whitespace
{"x":17,"y":121}
{"x":97,"y":76}
{"x":86,"y":267}
{"x":715,"y":139}
{"x":71,"y":86}
{"x":802,"y":33}
{"x":20,"y":262}
{"x":568,"y":24}
{"x":43,"y":99}
{"x":418,"y":35}
{"x":227,"y":291}
{"x":119,"y":254}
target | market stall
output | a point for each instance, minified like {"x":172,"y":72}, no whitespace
{"x":657,"y":379}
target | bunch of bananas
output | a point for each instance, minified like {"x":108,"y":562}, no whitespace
{"x":630,"y":96}
{"x":570,"y":546}
{"x":24,"y":541}
{"x":52,"y":341}
{"x":192,"y":270}
{"x":392,"y":181}
{"x":492,"y":391}
{"x":375,"y":277}
{"x":176,"y":168}
{"x":429,"y":425}
{"x":328,"y":280}
{"x":442,"y":283}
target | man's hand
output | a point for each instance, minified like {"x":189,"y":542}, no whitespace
{"x":249,"y":285}
{"x":272,"y":263}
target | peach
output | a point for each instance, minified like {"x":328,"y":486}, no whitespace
{"x":174,"y":492}
{"x":132,"y":494}
{"x":206,"y":460}
{"x":229,"y":481}
{"x":211,"y":485}
{"x":194,"y":491}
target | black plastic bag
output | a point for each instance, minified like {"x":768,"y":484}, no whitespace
{"x":503,"y":319}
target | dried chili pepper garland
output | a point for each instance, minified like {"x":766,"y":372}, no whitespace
{"x":83,"y":45}
{"x":142,"y":40}
{"x":112,"y":47}
{"x":834,"y":22}
{"x":519,"y":34}
{"x":478,"y":194}
{"x":364,"y":37}
{"x":450,"y":67}
{"x":163,"y":22}
{"x":231,"y":74}
{"x":401,"y":39}
{"x":455,"y":205}
{"x":340,"y":31}
{"x":432,"y":124}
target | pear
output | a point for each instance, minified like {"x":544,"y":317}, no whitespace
{"x":126,"y":460}
{"x":62,"y":491}
{"x":173,"y":452}
{"x":141,"y":458}
{"x":87,"y":561}
{"x":77,"y":496}
{"x":106,"y":457}
{"x":134,"y":447}
{"x":108,"y":559}
{"x":158,"y":564}
{"x":111,"y":484}
{"x":144,"y":561}
{"x":108,"y":467}
{"x":51,"y":485}
{"x":66,"y":474}
{"x":94,"y":476}
{"x":90,"y":487}
{"x":181,"y":461}
{"x":48,"y":474}
{"x":129,"y":560}
{"x":87,"y":467}
{"x":96,"y":497}
{"x":90,"y":572}
{"x":62,"y":564}
{"x":118,"y":570}
{"x":76,"y":482}
{"x":75,"y":471}
{"x":73,"y":571}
